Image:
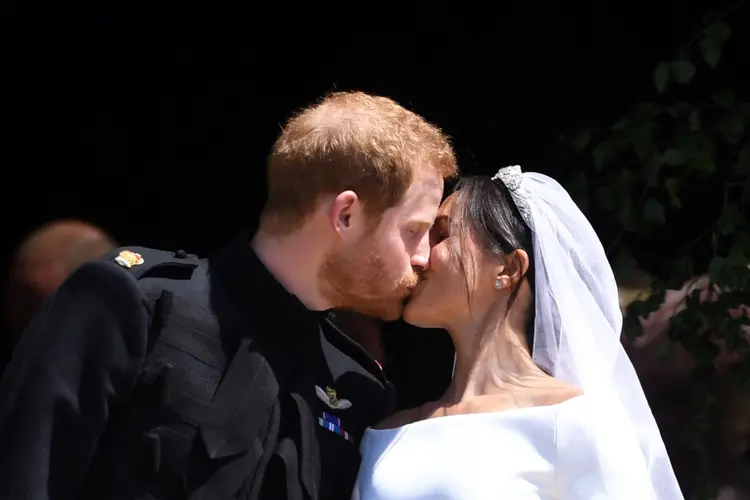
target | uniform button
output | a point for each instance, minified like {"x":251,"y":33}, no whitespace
{"x":181,"y":254}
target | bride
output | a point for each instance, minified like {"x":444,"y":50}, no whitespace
{"x":544,"y":403}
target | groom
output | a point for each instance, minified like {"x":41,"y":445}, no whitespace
{"x":158,"y":375}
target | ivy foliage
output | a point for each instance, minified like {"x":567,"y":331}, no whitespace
{"x":643,"y":170}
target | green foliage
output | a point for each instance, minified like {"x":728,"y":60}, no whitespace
{"x":644,"y":170}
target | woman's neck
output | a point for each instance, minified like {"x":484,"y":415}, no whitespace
{"x":491,"y":362}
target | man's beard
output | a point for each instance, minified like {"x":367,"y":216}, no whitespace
{"x":359,"y":280}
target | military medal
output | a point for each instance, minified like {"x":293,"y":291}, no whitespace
{"x":128,"y":259}
{"x":333,"y":424}
{"x":330,"y":398}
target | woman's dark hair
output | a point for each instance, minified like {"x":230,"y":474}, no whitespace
{"x":484,"y":211}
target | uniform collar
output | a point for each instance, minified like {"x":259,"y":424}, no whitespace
{"x":257,"y":294}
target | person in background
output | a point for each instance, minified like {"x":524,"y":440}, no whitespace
{"x":43,"y":260}
{"x":668,"y":385}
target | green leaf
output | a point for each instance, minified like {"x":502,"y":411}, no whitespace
{"x":715,"y":266}
{"x":621,"y":125}
{"x":648,"y":110}
{"x":577,"y":182}
{"x":653,"y":169}
{"x":631,"y":325}
{"x":742,"y":167}
{"x":683,"y":71}
{"x":733,"y":333}
{"x":642,"y":138}
{"x":653,"y":212}
{"x":695,"y":120}
{"x":742,"y":245}
{"x":672,"y":185}
{"x":711,"y":51}
{"x":600,"y":155}
{"x":605,"y":197}
{"x":718,"y":31}
{"x":577,"y":186}
{"x":581,"y":140}
{"x":653,"y":302}
{"x":661,"y":77}
{"x":674,"y":157}
{"x":627,"y":218}
{"x":624,"y":262}
{"x":680,"y":270}
{"x":679,"y":110}
{"x":625,"y":181}
{"x":738,"y":253}
{"x":715,"y":36}
{"x":667,"y":352}
{"x":720,"y":272}
{"x":724,"y":99}
{"x":703,"y":162}
{"x":732,"y":128}
{"x":730,"y":221}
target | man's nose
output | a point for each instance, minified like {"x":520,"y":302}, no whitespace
{"x":420,"y":260}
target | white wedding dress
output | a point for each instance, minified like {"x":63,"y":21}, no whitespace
{"x":602,"y":445}
{"x":514,"y":454}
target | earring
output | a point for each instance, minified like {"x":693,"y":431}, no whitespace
{"x":498,"y":284}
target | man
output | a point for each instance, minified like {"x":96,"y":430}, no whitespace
{"x":43,"y":260}
{"x":159,"y":375}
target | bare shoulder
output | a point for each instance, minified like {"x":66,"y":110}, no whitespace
{"x":559,"y":392}
{"x":401,"y":418}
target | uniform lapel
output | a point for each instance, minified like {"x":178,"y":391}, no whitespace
{"x":241,"y":406}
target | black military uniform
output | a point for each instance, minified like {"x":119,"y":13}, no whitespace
{"x":157,"y":375}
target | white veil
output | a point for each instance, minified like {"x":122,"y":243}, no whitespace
{"x":577,"y":335}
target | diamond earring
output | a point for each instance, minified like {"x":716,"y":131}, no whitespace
{"x":498,"y":284}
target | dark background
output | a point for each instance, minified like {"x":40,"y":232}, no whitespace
{"x":154,"y":122}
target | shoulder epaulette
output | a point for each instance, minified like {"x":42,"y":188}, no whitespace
{"x":142,"y":260}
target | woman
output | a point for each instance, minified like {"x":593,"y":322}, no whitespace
{"x":544,"y":403}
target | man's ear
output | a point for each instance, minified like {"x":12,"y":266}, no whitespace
{"x":346,"y":214}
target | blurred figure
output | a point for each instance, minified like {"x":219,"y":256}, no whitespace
{"x":43,"y":260}
{"x":667,"y":383}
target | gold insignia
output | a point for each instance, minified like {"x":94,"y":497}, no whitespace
{"x":128,"y":259}
{"x":331,"y":398}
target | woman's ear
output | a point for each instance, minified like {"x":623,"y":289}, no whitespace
{"x":518,"y":264}
{"x":502,"y":279}
{"x":512,"y":270}
{"x":502,"y":282}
